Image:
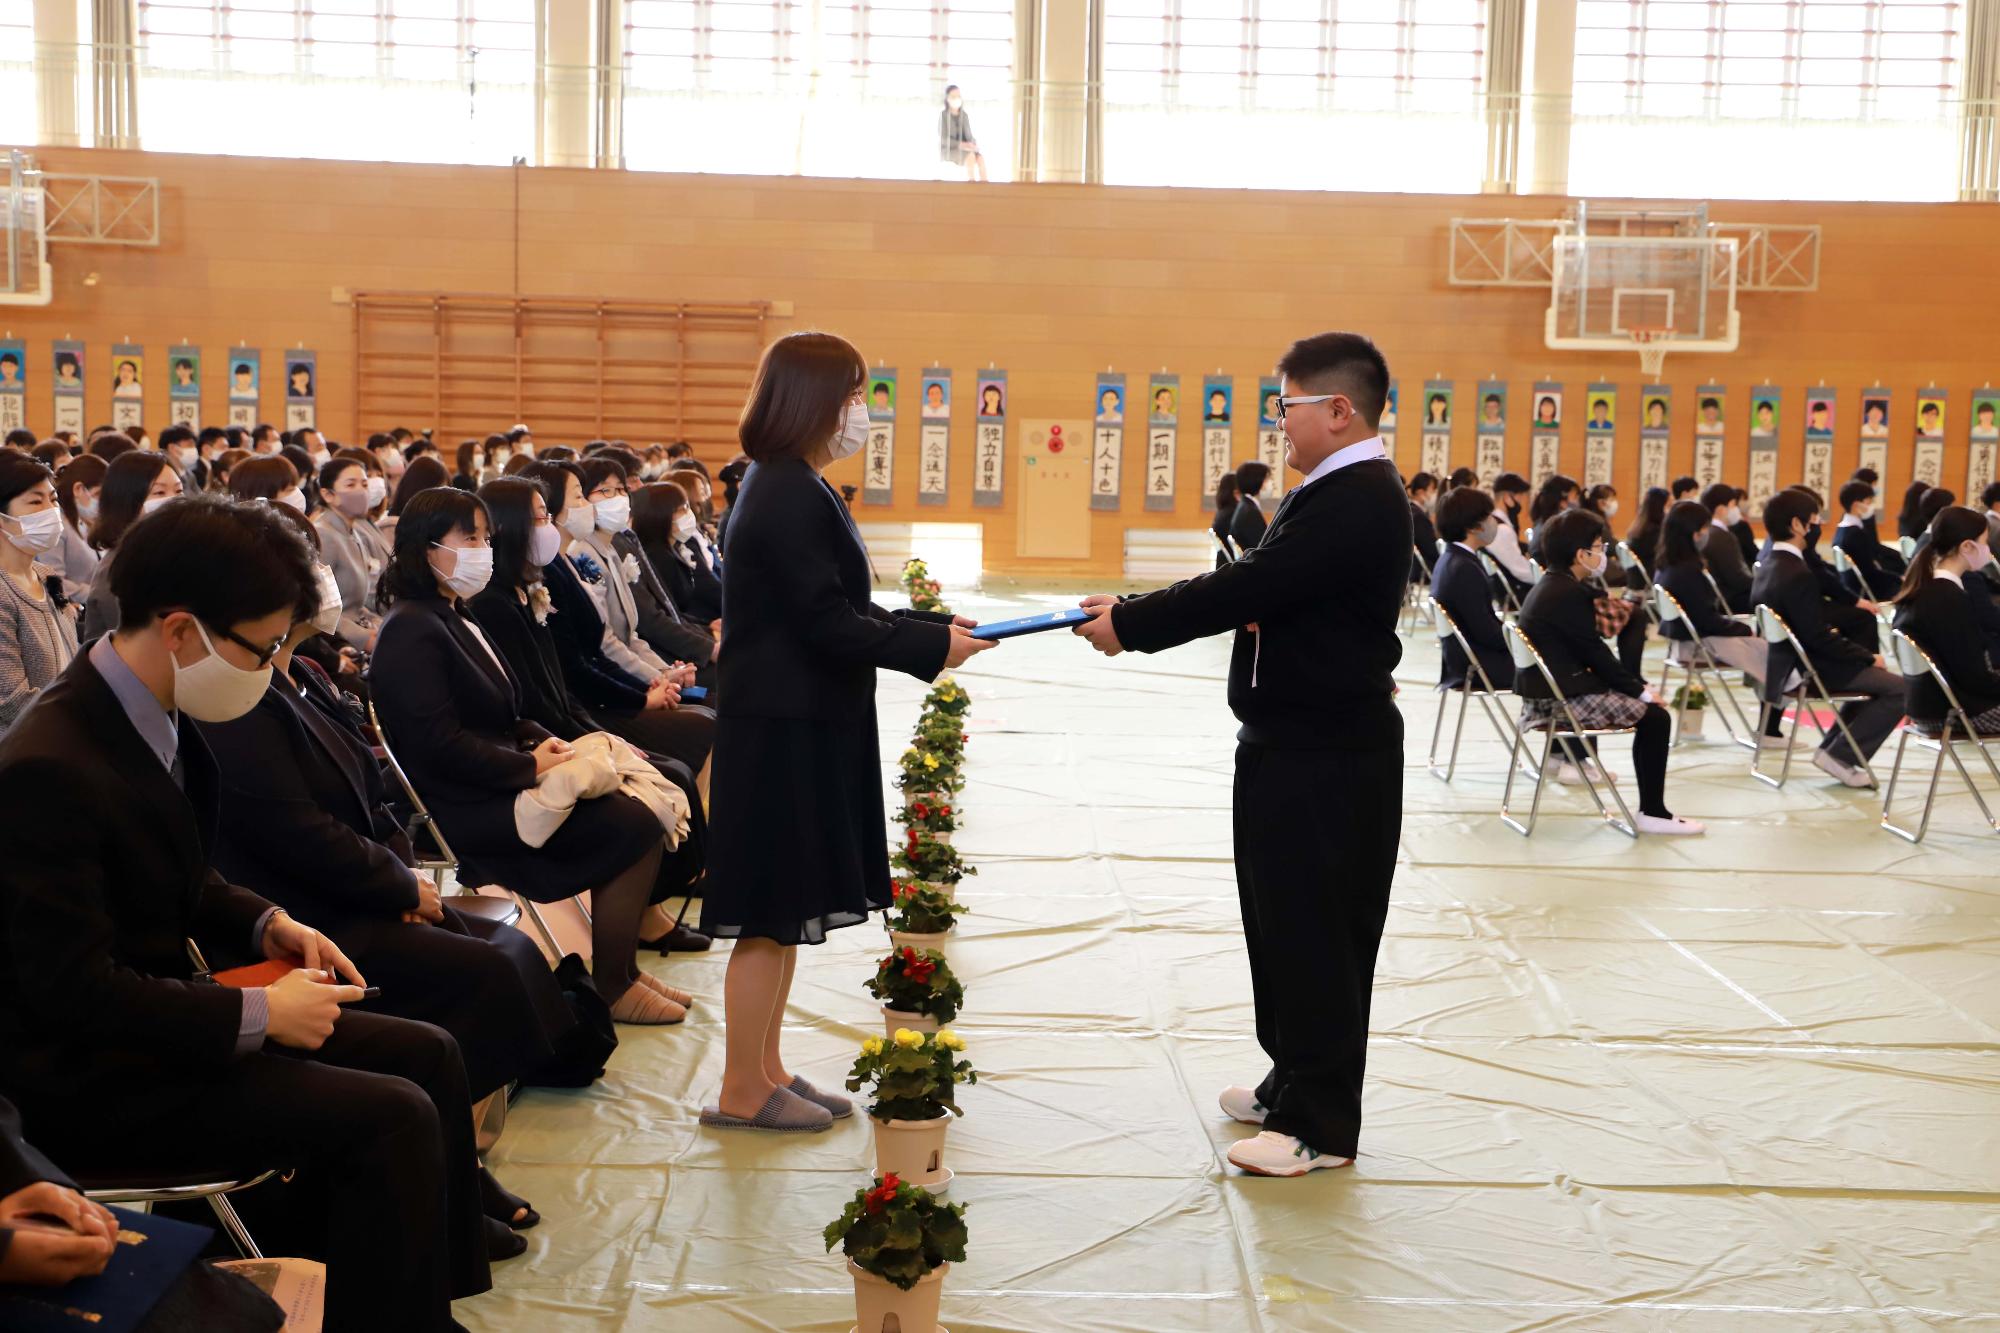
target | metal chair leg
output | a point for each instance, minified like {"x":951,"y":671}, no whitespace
{"x":1437,"y":730}
{"x":1972,"y":786}
{"x":1791,"y":736}
{"x":1541,"y":779}
{"x":533,"y":912}
{"x":1503,"y":727}
{"x":225,"y":1213}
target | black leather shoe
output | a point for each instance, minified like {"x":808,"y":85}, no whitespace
{"x":681,"y":939}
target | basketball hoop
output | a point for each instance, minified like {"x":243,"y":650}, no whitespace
{"x":1652,"y":342}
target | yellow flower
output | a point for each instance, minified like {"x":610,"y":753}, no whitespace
{"x":909,"y":1040}
{"x":950,"y":1040}
{"x":873,"y":1046}
{"x":930,"y":761}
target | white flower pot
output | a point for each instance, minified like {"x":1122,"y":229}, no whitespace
{"x":898,"y":1018}
{"x":1691,"y":721}
{"x":912,"y":797}
{"x":914,"y":1150}
{"x":898,"y":939}
{"x":944,"y":838}
{"x":915,"y":1310}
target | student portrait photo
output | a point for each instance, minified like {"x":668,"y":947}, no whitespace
{"x":1492,"y":412}
{"x":1764,"y":417}
{"x":1437,"y":409}
{"x":1165,"y":401}
{"x":1819,"y":419}
{"x":1874,"y":418}
{"x":1217,"y":406}
{"x":1601,"y":417}
{"x":992,"y":398}
{"x":1267,"y":415}
{"x":1548,"y":409}
{"x":1387,"y":421}
{"x":10,"y":369}
{"x":127,"y":384}
{"x":881,"y":397}
{"x":299,"y":380}
{"x":1711,"y":417}
{"x":1984,"y":414}
{"x":1930,"y":418}
{"x":187,"y":375}
{"x":243,"y":379}
{"x":1110,"y":404}
{"x":69,"y":369}
{"x":1656,"y":413}
{"x":937,"y":398}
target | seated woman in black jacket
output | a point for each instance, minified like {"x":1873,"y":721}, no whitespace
{"x":1730,"y":642}
{"x":1933,"y":609}
{"x":1560,"y":619}
{"x":453,"y":711}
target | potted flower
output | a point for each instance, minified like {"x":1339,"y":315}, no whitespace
{"x":899,"y":1243}
{"x":912,"y":1080}
{"x":922,"y":916}
{"x":947,"y":697}
{"x":940,"y":733}
{"x":928,"y":774}
{"x":923,"y":857}
{"x":1691,"y":703}
{"x":934,"y":819}
{"x":923,"y":590}
{"x":917,"y":990}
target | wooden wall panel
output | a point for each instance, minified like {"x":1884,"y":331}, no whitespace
{"x":1052,"y":283}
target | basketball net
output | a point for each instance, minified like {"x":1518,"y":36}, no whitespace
{"x":1651,"y":344}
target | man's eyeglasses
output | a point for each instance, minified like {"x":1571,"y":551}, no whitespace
{"x":1284,"y":404}
{"x":263,"y":655}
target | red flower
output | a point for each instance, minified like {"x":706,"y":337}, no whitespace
{"x":921,"y":810}
{"x":883,"y":1194}
{"x":947,"y":810}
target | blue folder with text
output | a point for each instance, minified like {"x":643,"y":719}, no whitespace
{"x":1008,"y":629}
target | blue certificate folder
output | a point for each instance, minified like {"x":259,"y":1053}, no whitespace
{"x":152,"y":1253}
{"x":693,"y":694}
{"x":1009,"y":629}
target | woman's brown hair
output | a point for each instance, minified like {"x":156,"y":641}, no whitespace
{"x":803,"y":386}
{"x":264,"y":478}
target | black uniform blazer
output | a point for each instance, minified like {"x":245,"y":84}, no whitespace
{"x":1723,"y":555}
{"x":454,"y":719}
{"x":704,"y":596}
{"x":1879,"y":580}
{"x":578,"y":631}
{"x":305,"y":818}
{"x":1691,"y":590}
{"x":804,"y":639}
{"x":1939,"y":616}
{"x":1560,"y":619}
{"x":105,"y":877}
{"x":1460,"y":586}
{"x":1787,"y":586}
{"x":1247,"y":525}
{"x":1423,"y":541}
{"x":531,"y":653}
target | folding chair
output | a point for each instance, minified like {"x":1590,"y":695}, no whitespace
{"x":181,"y":1188}
{"x":1811,"y":691}
{"x":1720,"y":600}
{"x":1417,"y":597}
{"x":1221,"y":547}
{"x":1494,"y":574}
{"x":1914,"y":661}
{"x":1489,"y":701}
{"x":1908,"y":546}
{"x":1694,"y":659}
{"x":446,"y":861}
{"x":1629,"y":561}
{"x":1526,"y":658}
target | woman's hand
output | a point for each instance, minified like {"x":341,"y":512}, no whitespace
{"x":551,"y":752}
{"x":681,"y":674}
{"x":963,"y":622}
{"x":662,"y":693}
{"x":964,"y":647}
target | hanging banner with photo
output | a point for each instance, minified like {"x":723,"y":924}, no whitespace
{"x":243,"y":375}
{"x":1107,"y":444}
{"x":878,"y":456}
{"x":1545,"y":433}
{"x":1435,"y":447}
{"x":68,"y":387}
{"x":1656,"y":413}
{"x":1271,"y":428}
{"x":1875,"y":433}
{"x":1929,"y":464}
{"x":1218,"y":403}
{"x":1600,"y":420}
{"x":1163,"y":419}
{"x":184,"y":386}
{"x":1763,"y":483}
{"x":1709,"y":422}
{"x":1489,"y":453}
{"x":1982,"y":457}
{"x":989,"y":439}
{"x":1386,"y":427}
{"x":934,"y":438}
{"x":1818,"y":470}
{"x":301,"y":389}
{"x":13,"y":385}
{"x":128,"y":385}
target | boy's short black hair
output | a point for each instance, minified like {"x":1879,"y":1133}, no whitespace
{"x":224,"y":561}
{"x":1569,"y":533}
{"x":1461,"y":511}
{"x":1853,"y":493}
{"x":1782,"y":508}
{"x":1345,"y":363}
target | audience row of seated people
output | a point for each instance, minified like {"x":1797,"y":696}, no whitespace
{"x":187,"y":663}
{"x":1695,"y":552}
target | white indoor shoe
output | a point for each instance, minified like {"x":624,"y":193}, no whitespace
{"x":1242,"y":1104}
{"x":1273,"y":1154}
{"x":1569,"y":775}
{"x":1848,"y":774}
{"x":1671,"y":826}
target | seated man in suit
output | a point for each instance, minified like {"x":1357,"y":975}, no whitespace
{"x":122,"y":1061}
{"x":1878,"y":572}
{"x":1787,"y":585}
{"x":1466,"y":521}
{"x":1720,"y":551}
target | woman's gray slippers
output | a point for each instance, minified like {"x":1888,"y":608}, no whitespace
{"x":783,"y":1112}
{"x":834,"y":1102}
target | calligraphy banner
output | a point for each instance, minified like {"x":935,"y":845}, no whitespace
{"x":301,"y":389}
{"x":1435,"y":446}
{"x":1710,"y":423}
{"x":934,"y":438}
{"x":989,"y":440}
{"x":1163,"y":419}
{"x":1982,"y":455}
{"x":1107,"y":445}
{"x":1874,"y":452}
{"x":13,"y":385}
{"x":244,"y":370}
{"x":1818,"y":470}
{"x":1489,"y":454}
{"x":1271,"y":427}
{"x":128,"y":385}
{"x":68,"y":386}
{"x":1599,"y":442}
{"x":878,"y":456}
{"x":184,"y":386}
{"x":1656,"y":414}
{"x":1928,"y":466}
{"x":1218,"y":395}
{"x":1545,"y":432}
{"x":1763,"y":484}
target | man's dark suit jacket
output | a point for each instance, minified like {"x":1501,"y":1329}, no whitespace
{"x":1460,"y":586}
{"x":1787,"y":586}
{"x":105,"y":878}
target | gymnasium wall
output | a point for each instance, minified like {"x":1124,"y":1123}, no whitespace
{"x":1051,"y":283}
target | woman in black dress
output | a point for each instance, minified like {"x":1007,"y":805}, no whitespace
{"x":797,"y":837}
{"x":453,"y":712}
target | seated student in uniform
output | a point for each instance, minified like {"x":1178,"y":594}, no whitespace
{"x":1557,"y":493}
{"x":1933,"y":608}
{"x":1874,"y":577}
{"x":1733,"y":643}
{"x":1247,"y":521}
{"x":1786,"y":584}
{"x":1979,"y":593}
{"x":1719,"y":549}
{"x":1423,"y":489}
{"x":1510,"y":506}
{"x":1746,"y":536}
{"x":1684,"y":488}
{"x":1467,"y":523}
{"x":123,"y":1064}
{"x":1560,"y":619}
{"x":1852,"y":616}
{"x":1225,"y":507}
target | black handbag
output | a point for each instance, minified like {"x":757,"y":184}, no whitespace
{"x":581,"y":1053}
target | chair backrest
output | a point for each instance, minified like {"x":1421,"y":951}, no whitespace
{"x":1221,"y":547}
{"x":1422,"y":563}
{"x":1668,"y":607}
{"x":1628,"y":559}
{"x":1912,"y":660}
{"x":1771,"y":625}
{"x":420,"y":813}
{"x":1441,"y":544}
{"x":1907,"y":545}
{"x":1721,"y":602}
{"x":1535,"y":568}
{"x":1841,"y":563}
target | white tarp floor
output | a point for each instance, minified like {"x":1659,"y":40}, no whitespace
{"x":1740,"y":1082}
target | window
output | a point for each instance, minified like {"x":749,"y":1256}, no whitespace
{"x":17,"y":72}
{"x":394,"y":80}
{"x":760,"y":86}
{"x":1796,"y":99}
{"x":1307,"y":94}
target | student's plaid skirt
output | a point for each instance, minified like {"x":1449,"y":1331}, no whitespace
{"x":1604,"y":709}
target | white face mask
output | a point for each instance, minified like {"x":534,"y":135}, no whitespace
{"x":86,"y":510}
{"x":1732,"y":516}
{"x":542,"y":544}
{"x":853,"y":431}
{"x":214,"y":691}
{"x":1610,"y":508}
{"x":684,"y":525}
{"x":295,"y":498}
{"x":327,"y":619}
{"x":1489,"y":529}
{"x":155,"y":503}
{"x":466,"y":570}
{"x":1594,"y":562}
{"x":1977,"y":556}
{"x":1865,"y":512}
{"x":579,"y":520}
{"x":34,"y":533}
{"x":378,"y":491}
{"x":615,"y":514}
{"x":319,"y":459}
